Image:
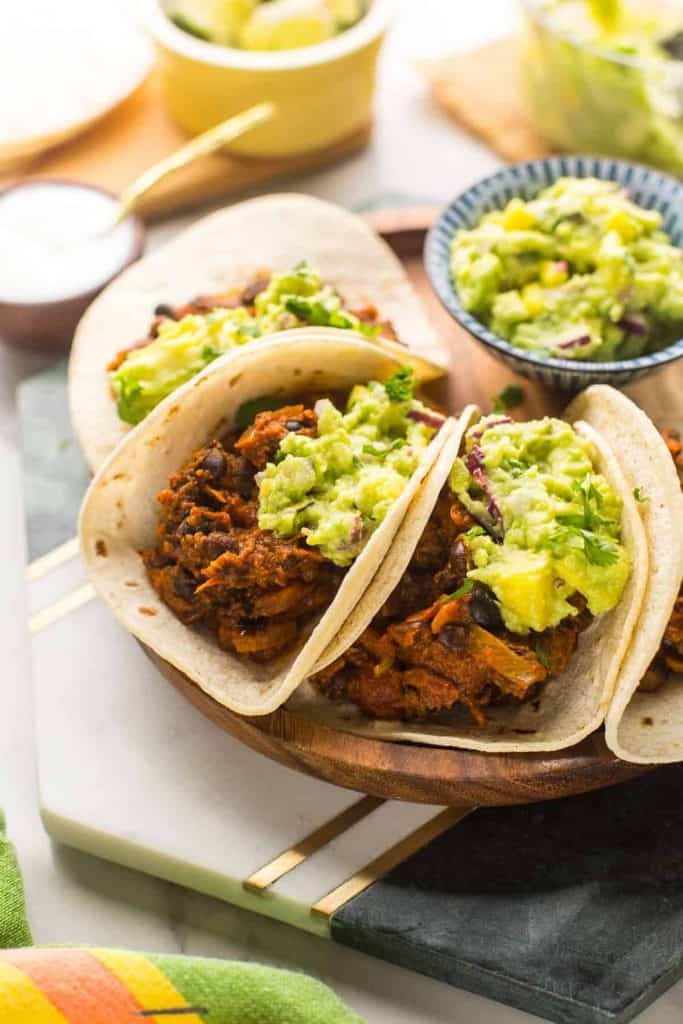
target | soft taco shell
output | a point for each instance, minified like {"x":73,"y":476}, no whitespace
{"x":120,"y":513}
{"x":571,"y":706}
{"x":644,"y":727}
{"x":224,"y":250}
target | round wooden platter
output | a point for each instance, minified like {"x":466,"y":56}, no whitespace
{"x":407,"y":771}
{"x":434,"y":775}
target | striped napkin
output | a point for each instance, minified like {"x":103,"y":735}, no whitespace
{"x":108,"y":986}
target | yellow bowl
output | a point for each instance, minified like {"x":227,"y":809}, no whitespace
{"x":323,"y":93}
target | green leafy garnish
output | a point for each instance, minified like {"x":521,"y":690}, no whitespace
{"x":318,"y":314}
{"x":461,"y":591}
{"x":586,"y":525}
{"x":400,"y":386}
{"x":541,"y":653}
{"x":248,"y":411}
{"x":381,"y":453}
{"x":509,"y":398}
{"x":639,"y":494}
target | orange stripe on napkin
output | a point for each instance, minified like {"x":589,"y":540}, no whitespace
{"x":78,"y":985}
{"x":150,"y":986}
{"x":21,"y":1002}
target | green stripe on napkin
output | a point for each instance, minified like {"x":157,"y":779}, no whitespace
{"x":14,"y":929}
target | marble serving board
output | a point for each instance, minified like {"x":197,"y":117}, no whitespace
{"x":571,"y":910}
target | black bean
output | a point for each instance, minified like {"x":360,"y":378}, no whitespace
{"x":214,"y":463}
{"x":184,"y":586}
{"x":674,"y":45}
{"x":163,"y":309}
{"x":484,"y":610}
{"x":294,"y":425}
{"x":217,"y":543}
{"x":452,"y":636}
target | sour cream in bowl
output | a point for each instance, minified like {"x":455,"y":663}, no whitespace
{"x":59,"y":250}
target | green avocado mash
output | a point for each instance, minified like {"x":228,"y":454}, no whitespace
{"x":552,"y":523}
{"x":579,"y":272}
{"x":605,"y":76}
{"x":184,"y":347}
{"x":265,"y":24}
{"x":336,"y":488}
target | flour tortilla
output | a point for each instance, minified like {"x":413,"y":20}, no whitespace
{"x":646,"y":728}
{"x":222,"y":251}
{"x":120,"y":513}
{"x":571,"y":706}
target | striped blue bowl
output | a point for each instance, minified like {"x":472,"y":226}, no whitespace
{"x":649,"y":188}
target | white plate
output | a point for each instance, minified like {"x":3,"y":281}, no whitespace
{"x":64,"y":66}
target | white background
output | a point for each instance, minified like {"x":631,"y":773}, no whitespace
{"x":74,"y":898}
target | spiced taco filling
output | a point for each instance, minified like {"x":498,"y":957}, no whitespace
{"x":522,"y":551}
{"x":259,"y":528}
{"x":668,"y":662}
{"x":183,"y":339}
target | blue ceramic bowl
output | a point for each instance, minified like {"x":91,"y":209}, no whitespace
{"x":649,"y":188}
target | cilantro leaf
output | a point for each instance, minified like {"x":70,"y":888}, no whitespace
{"x":318,"y":314}
{"x":541,"y":652}
{"x":509,"y":398}
{"x":461,"y":591}
{"x":381,"y":453}
{"x":400,"y":386}
{"x":248,"y":411}
{"x":597,"y":550}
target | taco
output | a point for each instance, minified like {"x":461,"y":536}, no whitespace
{"x":267,"y":265}
{"x":643,"y":724}
{"x":502,"y":613}
{"x":236,"y":527}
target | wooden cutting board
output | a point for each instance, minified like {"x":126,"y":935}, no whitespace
{"x":140,"y":132}
{"x":481,"y":90}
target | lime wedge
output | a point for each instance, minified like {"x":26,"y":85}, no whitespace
{"x":287,"y":25}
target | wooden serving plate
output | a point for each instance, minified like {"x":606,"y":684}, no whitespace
{"x":435,"y":775}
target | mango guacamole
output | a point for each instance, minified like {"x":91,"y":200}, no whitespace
{"x":182,"y":348}
{"x":552,"y":538}
{"x":266,"y":24}
{"x":580,"y":272}
{"x":337,"y":487}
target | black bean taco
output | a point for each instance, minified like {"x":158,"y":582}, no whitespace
{"x":234,"y":529}
{"x":268,"y":265}
{"x":512,"y":598}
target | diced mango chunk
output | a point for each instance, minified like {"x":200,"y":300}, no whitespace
{"x":517,"y":217}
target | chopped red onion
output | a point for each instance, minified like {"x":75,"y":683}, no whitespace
{"x":634,"y":323}
{"x":474,"y":461}
{"x":583,"y":339}
{"x":479,"y":431}
{"x":428,"y":416}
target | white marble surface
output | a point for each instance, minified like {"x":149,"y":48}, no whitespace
{"x":75,"y":898}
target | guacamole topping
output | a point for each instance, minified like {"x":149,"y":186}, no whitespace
{"x":266,"y":24}
{"x":580,"y":272}
{"x":606,"y":76}
{"x":336,"y":488}
{"x":550,"y":524}
{"x":182,"y":348}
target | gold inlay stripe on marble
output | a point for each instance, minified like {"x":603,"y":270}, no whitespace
{"x":290,"y":859}
{"x":39,"y":567}
{"x":69,"y":603}
{"x":387,"y":861}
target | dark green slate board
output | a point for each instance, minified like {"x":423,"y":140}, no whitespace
{"x":572,"y":910}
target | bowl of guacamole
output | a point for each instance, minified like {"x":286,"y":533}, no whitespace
{"x":315,"y":60}
{"x":606,"y":76}
{"x":570,"y":269}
